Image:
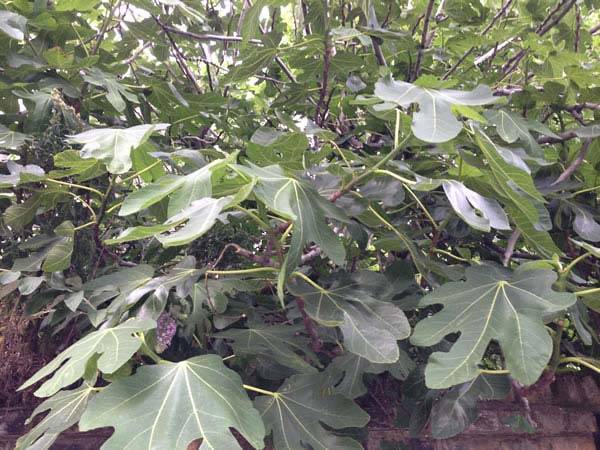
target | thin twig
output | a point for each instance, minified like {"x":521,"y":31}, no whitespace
{"x":585,"y":148}
{"x":424,"y":40}
{"x":510,"y":247}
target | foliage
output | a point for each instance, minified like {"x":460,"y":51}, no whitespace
{"x":252,"y":211}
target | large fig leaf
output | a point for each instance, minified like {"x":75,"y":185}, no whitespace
{"x":277,"y":342}
{"x":294,"y":414}
{"x":64,"y":410}
{"x":302,"y":204}
{"x":370,"y":326}
{"x":169,"y":405}
{"x":434,"y":121}
{"x":113,"y":146}
{"x":492,"y":304}
{"x":457,"y":409}
{"x":114,"y":345}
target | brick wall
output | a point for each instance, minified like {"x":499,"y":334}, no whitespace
{"x":565,"y":415}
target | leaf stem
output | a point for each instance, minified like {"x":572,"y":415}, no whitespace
{"x":260,"y":391}
{"x":586,"y":292}
{"x":75,"y":186}
{"x":573,"y":263}
{"x":254,"y":217}
{"x":242,"y":271}
{"x":583,"y":362}
{"x":308,"y":280}
{"x":138,"y":173}
{"x":494,"y":372}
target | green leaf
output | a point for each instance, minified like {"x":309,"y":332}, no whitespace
{"x":65,"y":408}
{"x":71,"y":164}
{"x":354,"y":368}
{"x":480,"y":212}
{"x":301,"y":203}
{"x":12,"y":140}
{"x":116,"y":92}
{"x":186,"y":189}
{"x":279,"y":343}
{"x":114,"y":345}
{"x":169,"y":405}
{"x":370,"y":326}
{"x":513,"y":183}
{"x":434,"y":122}
{"x":58,"y":256}
{"x":113,"y":146}
{"x":295,"y":413}
{"x":13,"y":25}
{"x":201,"y":215}
{"x":493,"y":304}
{"x":457,"y":409}
{"x":254,"y":59}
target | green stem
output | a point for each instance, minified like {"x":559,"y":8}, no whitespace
{"x":85,"y":225}
{"x":394,"y":175}
{"x":242,"y":271}
{"x":148,"y":351}
{"x":586,"y":292}
{"x":450,"y":255}
{"x":582,"y":362}
{"x":583,"y":191}
{"x":137,"y":174}
{"x":260,"y":391}
{"x":308,"y":280}
{"x":75,"y":186}
{"x":429,"y":216}
{"x":494,"y":372}
{"x":572,"y":264}
{"x":254,"y":217}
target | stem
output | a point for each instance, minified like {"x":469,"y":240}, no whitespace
{"x":394,"y":175}
{"x":583,"y":362}
{"x":148,"y":351}
{"x":586,"y":292}
{"x":260,"y":391}
{"x":422,"y":206}
{"x":494,"y":372}
{"x":137,"y":174}
{"x":242,"y":271}
{"x":85,"y":225}
{"x":573,"y":263}
{"x":308,"y":280}
{"x":450,"y":255}
{"x":254,"y":217}
{"x":370,"y":171}
{"x":75,"y":186}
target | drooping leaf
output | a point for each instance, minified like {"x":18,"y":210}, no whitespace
{"x":65,"y":408}
{"x":170,"y":405}
{"x":295,"y":413}
{"x":370,"y":326}
{"x":279,"y":343}
{"x":353,"y":369}
{"x":113,"y":146}
{"x":480,"y":212}
{"x":299,"y":202}
{"x":493,"y":304}
{"x":116,"y":92}
{"x":53,"y":251}
{"x":13,"y":25}
{"x":11,"y":140}
{"x":457,"y":409}
{"x":114,"y":345}
{"x":185,"y":189}
{"x":434,"y":122}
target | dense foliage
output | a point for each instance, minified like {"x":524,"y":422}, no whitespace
{"x":252,"y":211}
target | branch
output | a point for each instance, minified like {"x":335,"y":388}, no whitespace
{"x":207,"y":37}
{"x":585,"y":148}
{"x":310,"y":327}
{"x":327,"y":55}
{"x":510,"y":247}
{"x":424,"y":35}
{"x":595,"y":29}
